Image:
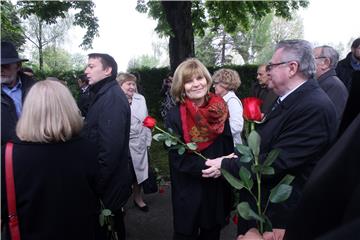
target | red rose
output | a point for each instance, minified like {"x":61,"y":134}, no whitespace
{"x":252,"y":110}
{"x":161,"y":190}
{"x":235,"y":219}
{"x":149,"y":122}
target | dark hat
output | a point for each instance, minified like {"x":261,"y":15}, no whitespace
{"x":9,"y":54}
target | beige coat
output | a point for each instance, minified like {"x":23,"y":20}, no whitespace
{"x":140,"y":137}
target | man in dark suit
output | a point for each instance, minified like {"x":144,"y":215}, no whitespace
{"x":260,"y":89}
{"x":302,"y":125}
{"x":326,"y":59}
{"x":107,"y":124}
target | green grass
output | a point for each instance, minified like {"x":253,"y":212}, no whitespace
{"x":159,"y":159}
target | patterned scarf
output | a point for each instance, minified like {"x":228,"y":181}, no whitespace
{"x":204,"y":124}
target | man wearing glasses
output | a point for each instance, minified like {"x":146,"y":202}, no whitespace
{"x":302,"y":125}
{"x":326,"y":59}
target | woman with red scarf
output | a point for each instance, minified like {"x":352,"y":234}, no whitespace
{"x":200,"y":206}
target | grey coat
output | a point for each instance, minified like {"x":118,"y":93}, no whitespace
{"x":140,"y":138}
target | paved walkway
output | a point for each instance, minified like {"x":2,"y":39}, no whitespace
{"x":157,"y":223}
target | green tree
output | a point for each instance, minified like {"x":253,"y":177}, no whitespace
{"x":11,"y":29}
{"x":51,"y":11}
{"x":42,"y":35}
{"x":144,"y":61}
{"x":182,"y":19}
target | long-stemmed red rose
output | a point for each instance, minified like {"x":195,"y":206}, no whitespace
{"x":250,"y":152}
{"x":169,"y":139}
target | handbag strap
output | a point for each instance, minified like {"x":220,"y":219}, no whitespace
{"x":10,"y":192}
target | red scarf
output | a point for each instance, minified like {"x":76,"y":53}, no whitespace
{"x":204,"y":124}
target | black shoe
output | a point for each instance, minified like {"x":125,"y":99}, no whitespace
{"x":144,"y":208}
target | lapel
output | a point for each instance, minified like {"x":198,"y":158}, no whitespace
{"x":290,"y":100}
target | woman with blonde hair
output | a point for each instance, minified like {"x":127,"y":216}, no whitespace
{"x":200,"y":207}
{"x":140,"y":136}
{"x":226,"y":82}
{"x":54,"y":169}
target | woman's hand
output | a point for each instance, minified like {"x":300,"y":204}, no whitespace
{"x":214,"y":166}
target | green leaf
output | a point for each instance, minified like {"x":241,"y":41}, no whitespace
{"x":234,"y":182}
{"x":181,"y":150}
{"x":192,"y":146}
{"x":245,"y":176}
{"x":287,"y":180}
{"x":254,"y":142}
{"x":266,"y":170}
{"x":247,"y":213}
{"x":243,"y":149}
{"x":255,"y":168}
{"x":245,"y":158}
{"x":159,"y":137}
{"x":101,"y":219}
{"x":168,"y":142}
{"x":271,"y":157}
{"x":173,"y":142}
{"x":170,"y":131}
{"x":280,"y":193}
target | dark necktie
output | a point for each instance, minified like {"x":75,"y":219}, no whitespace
{"x":276,"y":104}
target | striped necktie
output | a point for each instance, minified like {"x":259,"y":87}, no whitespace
{"x":276,"y":104}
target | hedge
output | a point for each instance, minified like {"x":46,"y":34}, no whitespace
{"x":150,"y":82}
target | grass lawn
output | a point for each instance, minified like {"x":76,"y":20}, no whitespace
{"x":159,"y":159}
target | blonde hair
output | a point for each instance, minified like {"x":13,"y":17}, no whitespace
{"x":124,"y":77}
{"x":50,"y":114}
{"x":186,"y":70}
{"x":229,"y":78}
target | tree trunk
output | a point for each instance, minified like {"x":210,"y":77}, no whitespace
{"x":181,"y":43}
{"x":41,"y":61}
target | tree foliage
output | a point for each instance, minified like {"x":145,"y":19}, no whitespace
{"x":11,"y":29}
{"x":50,"y":11}
{"x":232,"y":15}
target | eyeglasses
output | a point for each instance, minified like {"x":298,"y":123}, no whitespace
{"x":320,"y":57}
{"x":271,"y":66}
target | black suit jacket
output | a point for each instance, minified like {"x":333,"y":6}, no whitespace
{"x":335,"y":89}
{"x":332,"y":195}
{"x":303,"y":127}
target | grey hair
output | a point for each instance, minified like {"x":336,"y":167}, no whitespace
{"x":331,"y":53}
{"x":300,"y":51}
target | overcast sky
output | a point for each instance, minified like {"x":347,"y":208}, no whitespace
{"x":126,"y":33}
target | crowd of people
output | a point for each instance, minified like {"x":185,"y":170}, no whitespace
{"x":74,"y":160}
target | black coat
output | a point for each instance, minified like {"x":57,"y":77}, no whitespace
{"x":344,"y":70}
{"x":332,"y":195}
{"x":198,"y":202}
{"x":9,"y":117}
{"x":55,"y":190}
{"x":335,"y":89}
{"x":107,"y":124}
{"x":303,"y":127}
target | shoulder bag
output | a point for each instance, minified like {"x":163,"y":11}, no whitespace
{"x":10,"y":192}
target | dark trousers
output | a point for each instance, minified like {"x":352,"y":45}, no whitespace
{"x":202,"y":234}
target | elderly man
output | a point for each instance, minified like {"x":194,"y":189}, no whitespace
{"x":326,"y":59}
{"x":14,"y":86}
{"x":260,"y":89}
{"x":348,"y":65}
{"x":302,"y":125}
{"x":107,"y":123}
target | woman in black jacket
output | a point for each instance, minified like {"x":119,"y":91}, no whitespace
{"x":200,"y":206}
{"x":54,"y":169}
